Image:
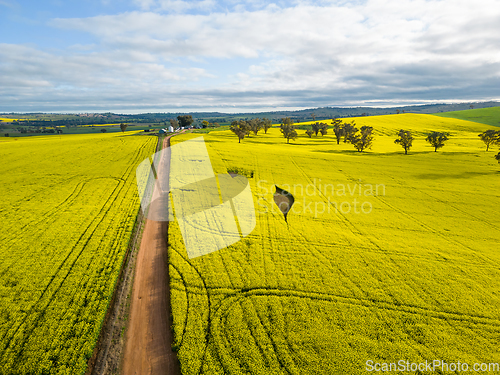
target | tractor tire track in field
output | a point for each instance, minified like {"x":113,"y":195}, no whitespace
{"x":490,"y":263}
{"x":487,"y":263}
{"x":204,"y":291}
{"x":37,"y":228}
{"x":88,"y":233}
{"x":221,"y":316}
{"x":218,"y":320}
{"x":184,"y":290}
{"x":149,"y":335}
{"x":83,"y":240}
{"x":356,"y":230}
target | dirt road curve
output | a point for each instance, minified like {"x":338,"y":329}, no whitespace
{"x":149,"y":337}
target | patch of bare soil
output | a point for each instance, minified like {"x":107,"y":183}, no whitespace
{"x":110,"y":346}
{"x":149,"y":336}
{"x":137,"y":336}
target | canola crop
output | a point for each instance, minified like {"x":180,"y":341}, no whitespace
{"x":385,"y":256}
{"x":68,"y":209}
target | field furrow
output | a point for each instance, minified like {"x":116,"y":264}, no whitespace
{"x":385,"y":256}
{"x":73,"y":212}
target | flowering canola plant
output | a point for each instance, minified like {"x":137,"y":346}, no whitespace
{"x":385,"y":256}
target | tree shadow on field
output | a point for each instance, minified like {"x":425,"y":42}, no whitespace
{"x":294,"y":143}
{"x":321,"y":139}
{"x":346,"y":152}
{"x":410,"y":153}
{"x":215,"y":140}
{"x":395,"y":153}
{"x":463,"y":175}
{"x":458,"y":152}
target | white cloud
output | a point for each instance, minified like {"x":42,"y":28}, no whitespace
{"x":366,"y":50}
{"x":176,"y":6}
{"x":380,"y":29}
{"x":121,"y":70}
{"x":182,"y":6}
{"x":145,"y":4}
{"x":7,"y":4}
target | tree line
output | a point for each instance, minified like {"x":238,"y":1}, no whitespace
{"x":242,"y":128}
{"x":361,"y":138}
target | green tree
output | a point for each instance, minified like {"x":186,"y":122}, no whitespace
{"x":405,"y":140}
{"x":316,"y":127}
{"x":174,"y":123}
{"x":348,"y":130}
{"x":497,"y":156}
{"x":185,"y":121}
{"x":123,"y":127}
{"x":313,"y":117}
{"x":103,"y":130}
{"x":239,"y":128}
{"x":437,"y":139}
{"x":490,"y":137}
{"x":362,"y":140}
{"x":338,"y":128}
{"x":288,"y":130}
{"x":255,"y":125}
{"x":205,"y":124}
{"x":246,"y":126}
{"x":309,"y":132}
{"x":323,"y":128}
{"x":266,"y":124}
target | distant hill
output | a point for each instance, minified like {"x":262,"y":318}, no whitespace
{"x":321,"y":113}
{"x":488,"y":116}
{"x":39,"y":119}
{"x":330,"y":112}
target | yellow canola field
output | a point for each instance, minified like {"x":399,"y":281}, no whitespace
{"x":96,"y":125}
{"x":385,"y":257}
{"x":68,"y":208}
{"x":9,"y":119}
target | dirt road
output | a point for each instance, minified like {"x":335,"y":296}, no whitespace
{"x":149,"y":337}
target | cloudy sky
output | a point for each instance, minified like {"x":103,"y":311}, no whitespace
{"x":133,"y":56}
